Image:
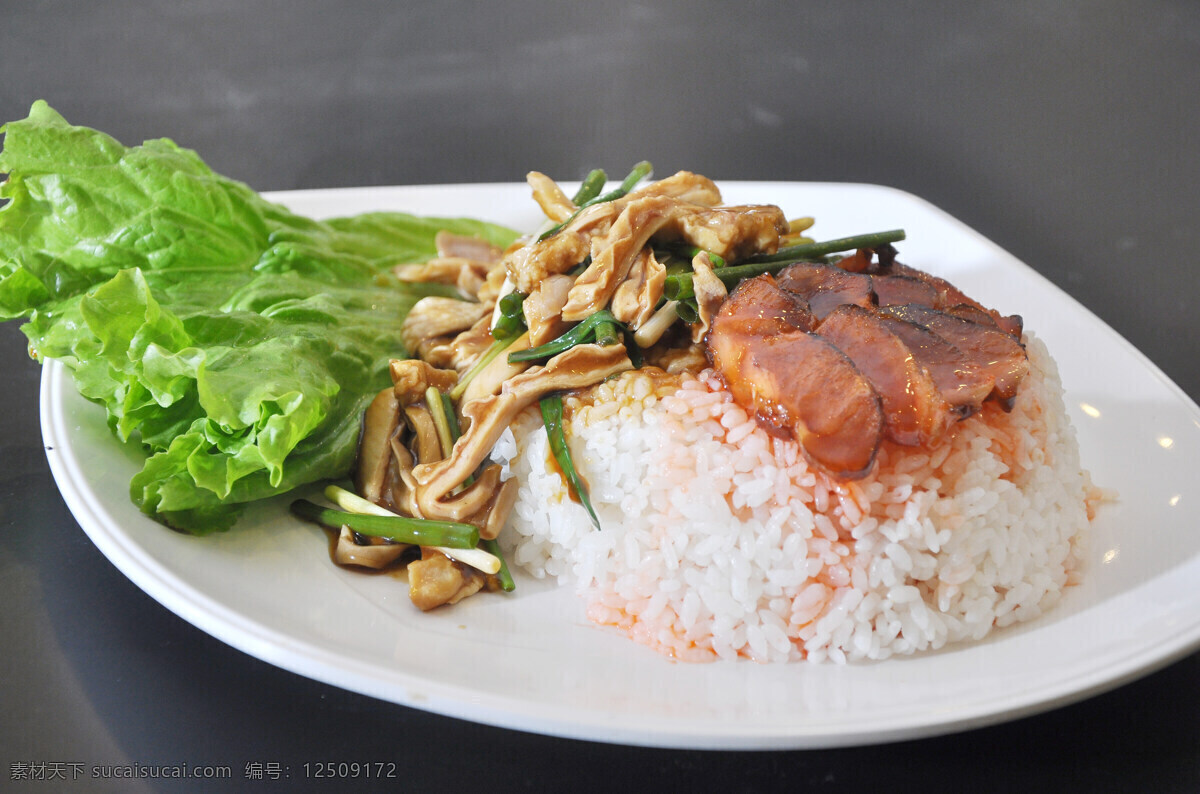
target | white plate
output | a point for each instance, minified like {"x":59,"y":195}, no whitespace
{"x":531,"y":660}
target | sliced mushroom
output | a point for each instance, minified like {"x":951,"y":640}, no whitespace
{"x":434,"y":320}
{"x":472,"y":502}
{"x":497,"y":512}
{"x":374,"y":445}
{"x":449,"y":244}
{"x":411,"y":378}
{"x":371,"y":555}
{"x":420,"y":422}
{"x":403,"y":486}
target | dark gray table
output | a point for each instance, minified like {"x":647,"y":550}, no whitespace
{"x":1061,"y":130}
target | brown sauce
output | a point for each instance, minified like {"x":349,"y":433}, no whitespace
{"x":552,"y":465}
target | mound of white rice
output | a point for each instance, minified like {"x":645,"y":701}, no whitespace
{"x":718,"y":541}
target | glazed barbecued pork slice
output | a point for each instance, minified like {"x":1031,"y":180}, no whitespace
{"x":825,"y":287}
{"x":914,"y":409}
{"x":957,"y":378}
{"x":967,"y":361}
{"x":763,"y":308}
{"x":975,"y":314}
{"x":993,"y":352}
{"x":794,"y":382}
{"x":892,"y":283}
{"x":949,"y":296}
{"x":899,"y":290}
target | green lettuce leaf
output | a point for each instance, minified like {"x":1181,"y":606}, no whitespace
{"x":237,"y":342}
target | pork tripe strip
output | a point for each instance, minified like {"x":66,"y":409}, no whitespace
{"x":583,"y":365}
{"x":635,"y":299}
{"x":435,"y":320}
{"x":728,"y":232}
{"x":567,"y":247}
{"x":543,"y":309}
{"x":683,"y":185}
{"x":614,"y":254}
{"x":733,"y":232}
{"x":710,"y":294}
{"x":528,"y":265}
{"x":550,"y":197}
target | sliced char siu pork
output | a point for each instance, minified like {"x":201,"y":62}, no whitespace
{"x":763,"y":308}
{"x":825,"y":287}
{"x":998,"y":359}
{"x":914,"y":408}
{"x":899,"y":290}
{"x":793,"y":381}
{"x":840,"y":360}
{"x":948,"y":296}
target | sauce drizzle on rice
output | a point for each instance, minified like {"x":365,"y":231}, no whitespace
{"x":723,"y":542}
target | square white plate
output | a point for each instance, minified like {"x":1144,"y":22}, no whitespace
{"x":530,"y":660}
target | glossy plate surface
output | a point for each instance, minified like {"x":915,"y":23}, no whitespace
{"x":531,"y":661}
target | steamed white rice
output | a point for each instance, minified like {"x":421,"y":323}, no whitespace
{"x":718,"y":541}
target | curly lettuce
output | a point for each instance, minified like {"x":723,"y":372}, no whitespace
{"x":237,"y":342}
